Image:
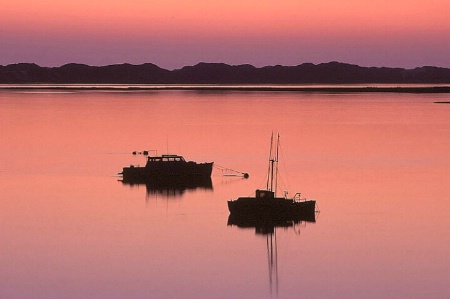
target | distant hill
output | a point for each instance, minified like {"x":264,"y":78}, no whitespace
{"x":220,"y":73}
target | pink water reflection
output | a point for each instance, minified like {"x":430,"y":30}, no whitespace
{"x":377,"y":164}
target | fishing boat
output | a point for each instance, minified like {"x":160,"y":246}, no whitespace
{"x":266,"y":204}
{"x":169,"y":168}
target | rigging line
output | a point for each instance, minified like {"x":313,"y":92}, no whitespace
{"x":118,"y":153}
{"x":285,"y":167}
{"x":317,"y":211}
{"x":223,"y":168}
{"x":282,"y":184}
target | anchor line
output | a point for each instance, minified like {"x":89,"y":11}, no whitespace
{"x":230,"y":172}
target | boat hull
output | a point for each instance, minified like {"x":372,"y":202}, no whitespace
{"x":275,"y":208}
{"x":168,"y":171}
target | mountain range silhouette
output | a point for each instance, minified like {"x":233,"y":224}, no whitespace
{"x":221,"y":73}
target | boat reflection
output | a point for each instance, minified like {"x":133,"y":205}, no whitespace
{"x":265,"y":225}
{"x":170,"y":188}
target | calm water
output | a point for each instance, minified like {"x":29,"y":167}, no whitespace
{"x":377,"y":164}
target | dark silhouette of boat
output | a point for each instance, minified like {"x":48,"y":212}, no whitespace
{"x":266,"y":205}
{"x":167,"y":168}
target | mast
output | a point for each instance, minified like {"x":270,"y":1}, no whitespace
{"x":270,"y":170}
{"x":272,"y":176}
{"x":276,"y":170}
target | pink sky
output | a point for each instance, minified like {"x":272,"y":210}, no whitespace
{"x":175,"y":33}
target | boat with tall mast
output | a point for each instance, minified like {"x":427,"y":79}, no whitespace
{"x":266,"y":205}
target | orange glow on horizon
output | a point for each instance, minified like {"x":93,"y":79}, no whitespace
{"x":233,"y":17}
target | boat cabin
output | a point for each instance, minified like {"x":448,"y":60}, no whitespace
{"x":264,"y":194}
{"x":166,"y":158}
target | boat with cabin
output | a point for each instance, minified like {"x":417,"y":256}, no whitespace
{"x":169,"y":168}
{"x":267,"y":205}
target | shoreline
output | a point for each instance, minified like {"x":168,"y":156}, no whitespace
{"x":262,"y":88}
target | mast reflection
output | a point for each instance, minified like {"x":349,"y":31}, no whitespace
{"x":266,"y":226}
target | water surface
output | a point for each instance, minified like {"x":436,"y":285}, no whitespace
{"x":377,"y":164}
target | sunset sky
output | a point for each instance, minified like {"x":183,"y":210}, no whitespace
{"x":175,"y":33}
